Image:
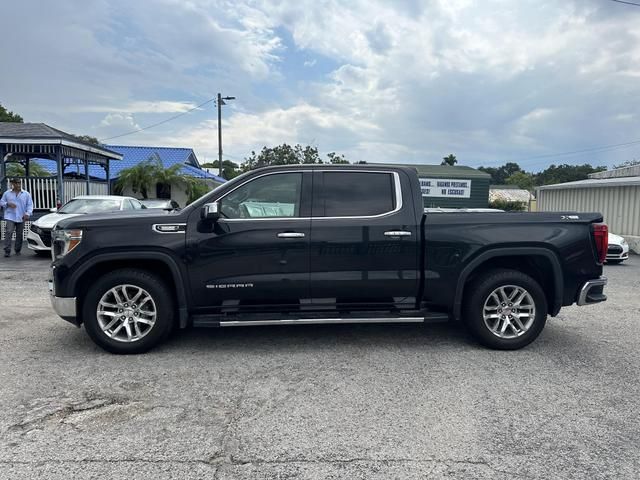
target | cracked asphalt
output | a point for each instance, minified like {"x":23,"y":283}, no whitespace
{"x":320,"y":402}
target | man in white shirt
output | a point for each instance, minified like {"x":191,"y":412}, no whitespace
{"x":18,"y":207}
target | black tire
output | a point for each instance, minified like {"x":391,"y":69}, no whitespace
{"x":160,"y":295}
{"x":479,"y":293}
{"x":614,"y":262}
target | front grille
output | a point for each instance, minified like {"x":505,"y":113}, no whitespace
{"x":614,"y":249}
{"x":45,"y":236}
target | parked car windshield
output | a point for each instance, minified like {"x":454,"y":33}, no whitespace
{"x":159,"y":203}
{"x":90,"y":205}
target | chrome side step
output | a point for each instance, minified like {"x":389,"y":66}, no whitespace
{"x":309,"y":321}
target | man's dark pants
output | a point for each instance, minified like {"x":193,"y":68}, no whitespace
{"x":9,"y":228}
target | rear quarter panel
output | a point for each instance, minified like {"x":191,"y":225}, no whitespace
{"x":454,"y":240}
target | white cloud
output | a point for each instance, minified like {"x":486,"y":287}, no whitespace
{"x":161,"y":106}
{"x":302,"y":123}
{"x":122,"y":121}
{"x":413,"y":81}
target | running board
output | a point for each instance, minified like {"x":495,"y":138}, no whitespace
{"x":311,"y":321}
{"x":217,"y":321}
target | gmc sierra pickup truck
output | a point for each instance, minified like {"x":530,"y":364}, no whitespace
{"x":322,"y":244}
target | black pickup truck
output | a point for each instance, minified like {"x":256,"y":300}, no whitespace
{"x":322,"y":244}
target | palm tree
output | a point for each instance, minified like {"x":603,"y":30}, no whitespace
{"x":449,"y":160}
{"x":165,"y":177}
{"x":17,"y":170}
{"x":151,"y":172}
{"x":138,"y":177}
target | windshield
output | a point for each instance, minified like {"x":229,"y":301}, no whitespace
{"x":90,"y":205}
{"x":156,"y":203}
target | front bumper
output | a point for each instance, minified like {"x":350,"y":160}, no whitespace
{"x":65,"y":307}
{"x":36,"y":242}
{"x":592,"y":292}
{"x":618,"y":252}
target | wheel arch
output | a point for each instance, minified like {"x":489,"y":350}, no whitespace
{"x":158,"y":263}
{"x":540,"y":263}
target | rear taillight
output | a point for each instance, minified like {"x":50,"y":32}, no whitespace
{"x":601,"y":237}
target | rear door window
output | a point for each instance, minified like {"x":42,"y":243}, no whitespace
{"x":356,"y":194}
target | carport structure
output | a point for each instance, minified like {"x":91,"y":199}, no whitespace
{"x":23,"y":142}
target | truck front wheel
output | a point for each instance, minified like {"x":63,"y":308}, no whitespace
{"x":128,"y":311}
{"x":505,"y":309}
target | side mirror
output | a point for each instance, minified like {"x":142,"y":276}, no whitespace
{"x":210,"y":211}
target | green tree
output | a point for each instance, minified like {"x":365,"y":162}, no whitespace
{"x":139,"y":177}
{"x":499,"y":175}
{"x":151,"y":172}
{"x":18,"y":170}
{"x":7,"y":116}
{"x":88,"y":139}
{"x":450,"y":160}
{"x":196,"y":188}
{"x":565,"y":173}
{"x":165,"y":177}
{"x":289,"y":155}
{"x":521,"y":180}
{"x":336,"y":159}
{"x":229,"y":169}
{"x":508,"y":205}
{"x":282,"y":155}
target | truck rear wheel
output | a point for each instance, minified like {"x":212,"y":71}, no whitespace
{"x":505,"y":309}
{"x":128,"y":311}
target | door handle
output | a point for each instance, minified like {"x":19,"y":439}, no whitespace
{"x":291,"y":235}
{"x":397,"y":233}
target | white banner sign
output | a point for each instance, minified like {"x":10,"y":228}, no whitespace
{"x":444,"y":187}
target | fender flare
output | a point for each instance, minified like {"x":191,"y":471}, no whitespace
{"x":510,"y":252}
{"x":165,"y":258}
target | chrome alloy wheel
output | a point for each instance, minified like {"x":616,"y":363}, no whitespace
{"x":509,"y":311}
{"x":126,"y":313}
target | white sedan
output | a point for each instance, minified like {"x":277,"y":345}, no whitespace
{"x":39,"y":235}
{"x":618,"y":250}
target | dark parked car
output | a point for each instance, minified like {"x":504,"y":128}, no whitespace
{"x":160,"y":203}
{"x":322,"y":244}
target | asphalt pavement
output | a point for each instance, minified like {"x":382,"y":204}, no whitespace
{"x":319,"y":402}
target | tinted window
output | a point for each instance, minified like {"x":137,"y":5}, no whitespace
{"x":269,"y":196}
{"x":356,"y":194}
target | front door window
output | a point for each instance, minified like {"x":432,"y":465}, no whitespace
{"x":271,"y":196}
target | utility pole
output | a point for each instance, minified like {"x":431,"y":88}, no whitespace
{"x":221,"y":101}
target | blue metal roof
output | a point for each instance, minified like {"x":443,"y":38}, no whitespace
{"x":132,"y":156}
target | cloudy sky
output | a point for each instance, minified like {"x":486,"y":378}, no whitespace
{"x":397,"y":81}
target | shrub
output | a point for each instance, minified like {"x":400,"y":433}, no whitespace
{"x":508,"y":205}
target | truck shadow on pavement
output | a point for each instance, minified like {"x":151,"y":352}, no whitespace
{"x":318,"y":337}
{"x":327,"y":338}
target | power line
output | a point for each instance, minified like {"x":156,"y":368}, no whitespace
{"x":600,"y":149}
{"x":159,"y":123}
{"x":627,"y":3}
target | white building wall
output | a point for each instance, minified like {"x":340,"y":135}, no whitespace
{"x":178,"y":193}
{"x":619,"y":205}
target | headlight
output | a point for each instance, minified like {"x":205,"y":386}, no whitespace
{"x":64,"y":241}
{"x":35,"y":229}
{"x":623,"y":242}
